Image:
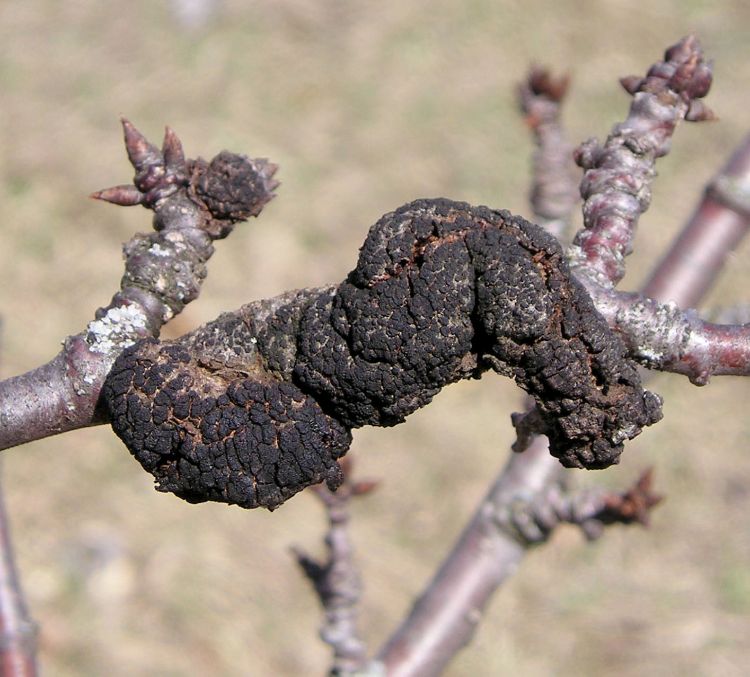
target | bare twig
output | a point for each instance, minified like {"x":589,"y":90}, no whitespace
{"x":527,"y":502}
{"x":554,"y":184}
{"x":337,"y":581}
{"x":533,"y":519}
{"x":17,"y":629}
{"x":194,"y":203}
{"x":616,"y":185}
{"x":617,"y":189}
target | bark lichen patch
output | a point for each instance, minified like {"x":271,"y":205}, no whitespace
{"x":115,"y":330}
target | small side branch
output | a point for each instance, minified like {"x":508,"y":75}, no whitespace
{"x":526,"y":504}
{"x":589,"y":509}
{"x":17,"y":630}
{"x":554,"y":183}
{"x":337,"y":581}
{"x":617,"y":182}
{"x":194,"y":203}
{"x":617,"y":190}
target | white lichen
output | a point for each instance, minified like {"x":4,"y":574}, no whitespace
{"x":120,"y":327}
{"x":157,"y":250}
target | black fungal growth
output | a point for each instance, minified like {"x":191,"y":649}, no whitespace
{"x":257,"y":405}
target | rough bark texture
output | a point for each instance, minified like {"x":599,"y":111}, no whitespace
{"x":255,"y":406}
{"x":194,"y":203}
{"x":616,"y":186}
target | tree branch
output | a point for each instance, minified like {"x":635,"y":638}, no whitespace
{"x":716,"y":227}
{"x":524,"y":506}
{"x":664,"y":337}
{"x":445,"y":616}
{"x":337,"y":581}
{"x":617,"y":190}
{"x":554,"y":179}
{"x":18,"y":631}
{"x":442,"y":622}
{"x":194,"y":203}
{"x":616,"y":185}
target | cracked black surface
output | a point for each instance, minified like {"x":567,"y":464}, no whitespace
{"x":257,"y":405}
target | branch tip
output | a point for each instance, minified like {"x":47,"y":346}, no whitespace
{"x":124,"y":196}
{"x":528,"y":425}
{"x":541,"y":94}
{"x":141,"y":152}
{"x":542,"y":82}
{"x":174,"y":156}
{"x":684,"y":72}
{"x":633,"y":506}
{"x":267,"y":171}
{"x":631,"y":83}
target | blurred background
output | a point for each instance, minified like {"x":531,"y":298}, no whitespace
{"x":365,"y":105}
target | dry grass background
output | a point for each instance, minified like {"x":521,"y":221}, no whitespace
{"x":365,"y":105}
